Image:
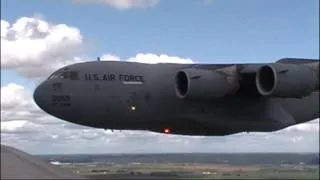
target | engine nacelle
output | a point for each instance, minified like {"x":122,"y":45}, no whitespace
{"x":287,"y":80}
{"x":203,"y":84}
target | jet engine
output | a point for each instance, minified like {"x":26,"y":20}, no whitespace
{"x":196,"y":83}
{"x":287,"y":80}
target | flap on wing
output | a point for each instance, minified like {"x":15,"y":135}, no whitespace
{"x":297,"y":60}
{"x":253,"y":68}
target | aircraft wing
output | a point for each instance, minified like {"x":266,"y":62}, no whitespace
{"x":288,"y":77}
{"x":297,"y":61}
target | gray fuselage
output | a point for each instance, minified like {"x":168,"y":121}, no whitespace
{"x":136,"y":96}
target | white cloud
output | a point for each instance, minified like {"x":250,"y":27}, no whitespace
{"x":11,"y":125}
{"x":109,"y":57}
{"x":123,"y":4}
{"x":34,"y":47}
{"x":208,"y":2}
{"x":312,"y":126}
{"x":17,"y":105}
{"x":13,"y":95}
{"x":148,"y":58}
{"x":163,"y":58}
{"x":296,"y":139}
{"x":20,"y":127}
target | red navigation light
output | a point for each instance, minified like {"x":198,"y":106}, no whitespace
{"x":167,"y":130}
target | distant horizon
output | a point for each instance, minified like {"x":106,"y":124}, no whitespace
{"x":180,"y":153}
{"x":164,"y":153}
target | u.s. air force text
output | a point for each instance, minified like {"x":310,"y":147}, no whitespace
{"x":113,"y":77}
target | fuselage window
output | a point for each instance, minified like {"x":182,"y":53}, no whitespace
{"x":74,"y":75}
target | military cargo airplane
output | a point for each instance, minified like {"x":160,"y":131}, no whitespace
{"x":185,"y":99}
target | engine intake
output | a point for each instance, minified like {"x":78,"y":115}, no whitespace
{"x":287,"y":80}
{"x":202,"y":84}
{"x":266,"y":80}
{"x":182,"y":83}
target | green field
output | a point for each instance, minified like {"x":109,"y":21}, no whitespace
{"x":192,"y":171}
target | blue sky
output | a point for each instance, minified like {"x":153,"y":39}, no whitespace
{"x":224,"y":31}
{"x":217,"y":31}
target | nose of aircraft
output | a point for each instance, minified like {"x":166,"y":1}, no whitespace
{"x":40,"y":96}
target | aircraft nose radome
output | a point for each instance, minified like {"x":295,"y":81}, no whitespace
{"x":39,"y":96}
{"x":36,"y":95}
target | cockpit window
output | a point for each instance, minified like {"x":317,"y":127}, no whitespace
{"x":53,"y":76}
{"x":64,"y":75}
{"x":72,"y":75}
